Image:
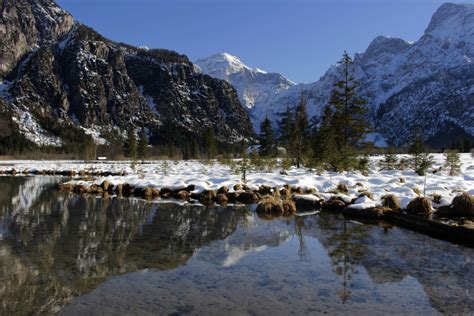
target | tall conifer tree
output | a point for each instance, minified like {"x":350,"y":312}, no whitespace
{"x":267,"y":139}
{"x":142,"y":149}
{"x":301,"y":132}
{"x":350,"y":122}
{"x":285,"y":127}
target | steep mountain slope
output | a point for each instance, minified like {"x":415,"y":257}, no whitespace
{"x":422,"y":87}
{"x":76,"y":79}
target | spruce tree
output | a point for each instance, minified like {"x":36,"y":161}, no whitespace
{"x":89,"y":148}
{"x":324,"y":141}
{"x":420,"y":159}
{"x":416,"y":150}
{"x":389,"y":161}
{"x":285,"y":127}
{"x":267,"y":139}
{"x":349,"y":121}
{"x":452,"y":162}
{"x":209,"y":143}
{"x":301,"y":132}
{"x":142,"y":149}
{"x":130,"y":145}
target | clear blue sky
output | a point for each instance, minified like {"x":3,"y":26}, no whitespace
{"x":298,"y":38}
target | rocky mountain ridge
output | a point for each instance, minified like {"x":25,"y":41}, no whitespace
{"x":67,"y":79}
{"x":423,"y":87}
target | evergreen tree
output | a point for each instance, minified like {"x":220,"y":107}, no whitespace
{"x":301,"y":132}
{"x":285,"y":127}
{"x":452,"y":162}
{"x":349,"y":120}
{"x":324,"y":140}
{"x":416,"y":150}
{"x":267,"y":139}
{"x":209,"y":143}
{"x":89,"y":148}
{"x":390,"y":161}
{"x":130,"y":145}
{"x":142,"y":149}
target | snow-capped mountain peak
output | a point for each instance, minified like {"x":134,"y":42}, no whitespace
{"x":423,"y":86}
{"x":253,"y":85}
{"x":223,"y":65}
{"x":454,"y":21}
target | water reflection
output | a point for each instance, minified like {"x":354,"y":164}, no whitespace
{"x":56,"y":246}
{"x":129,"y":256}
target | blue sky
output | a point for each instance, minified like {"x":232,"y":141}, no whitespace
{"x":298,"y":38}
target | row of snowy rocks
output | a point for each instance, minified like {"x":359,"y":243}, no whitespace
{"x":285,"y":201}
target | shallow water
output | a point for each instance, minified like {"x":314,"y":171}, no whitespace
{"x":80,"y":255}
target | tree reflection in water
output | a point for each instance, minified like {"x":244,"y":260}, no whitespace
{"x":344,"y":241}
{"x":56,"y":246}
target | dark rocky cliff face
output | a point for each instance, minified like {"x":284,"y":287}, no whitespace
{"x":66,"y":75}
{"x":26,"y":24}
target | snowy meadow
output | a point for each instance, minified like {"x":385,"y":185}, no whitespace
{"x":437,"y":185}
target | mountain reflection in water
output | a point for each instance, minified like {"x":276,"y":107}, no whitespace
{"x":120,"y":256}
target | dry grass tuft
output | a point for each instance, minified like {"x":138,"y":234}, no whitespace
{"x":391,"y":201}
{"x":463,"y":205}
{"x":419,"y":205}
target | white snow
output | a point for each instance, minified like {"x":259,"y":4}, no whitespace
{"x":33,"y":131}
{"x":94,"y":132}
{"x":179,"y":174}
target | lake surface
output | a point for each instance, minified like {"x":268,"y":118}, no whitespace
{"x":81,"y":255}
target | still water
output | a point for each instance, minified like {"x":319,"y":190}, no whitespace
{"x":81,"y":255}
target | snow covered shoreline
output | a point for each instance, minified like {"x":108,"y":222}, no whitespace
{"x":439,"y":187}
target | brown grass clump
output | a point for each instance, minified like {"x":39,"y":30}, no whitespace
{"x":265,"y":190}
{"x":81,"y":189}
{"x":463,"y":205}
{"x":391,"y":201}
{"x":144,"y":193}
{"x":417,"y":191}
{"x":419,"y":205}
{"x":334,"y":204}
{"x":222,"y":199}
{"x":207,"y":196}
{"x":182,"y":195}
{"x":232,"y":196}
{"x":367,"y":194}
{"x":342,"y":188}
{"x":66,"y":187}
{"x":118,"y":189}
{"x":247,"y":197}
{"x":270,"y":206}
{"x":276,"y":192}
{"x":284,"y":193}
{"x":105,"y":185}
{"x":223,"y":190}
{"x":289,"y":207}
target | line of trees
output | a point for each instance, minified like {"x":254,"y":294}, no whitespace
{"x":334,"y":142}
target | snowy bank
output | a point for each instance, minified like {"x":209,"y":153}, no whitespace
{"x":176,"y":175}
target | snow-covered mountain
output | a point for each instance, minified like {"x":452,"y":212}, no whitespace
{"x":254,"y":86}
{"x":60,"y":79}
{"x":423,"y":87}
